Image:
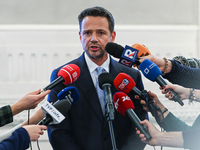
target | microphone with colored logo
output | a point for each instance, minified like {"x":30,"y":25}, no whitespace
{"x":67,"y":74}
{"x":54,"y":113}
{"x":69,"y":93}
{"x":151,"y":71}
{"x":125,"y":106}
{"x":126,"y":84}
{"x":128,"y":55}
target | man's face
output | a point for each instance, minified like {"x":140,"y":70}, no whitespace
{"x":94,"y":36}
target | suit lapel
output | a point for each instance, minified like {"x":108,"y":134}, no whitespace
{"x":90,"y":94}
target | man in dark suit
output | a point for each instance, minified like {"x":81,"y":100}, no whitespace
{"x":85,"y":127}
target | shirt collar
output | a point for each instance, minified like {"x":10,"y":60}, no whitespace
{"x":92,"y":66}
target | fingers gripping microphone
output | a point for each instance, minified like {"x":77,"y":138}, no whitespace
{"x":69,"y":93}
{"x":125,"y":106}
{"x":128,"y":55}
{"x":105,"y":83}
{"x":125,"y":83}
{"x":54,"y":113}
{"x":67,"y":75}
{"x":151,"y":71}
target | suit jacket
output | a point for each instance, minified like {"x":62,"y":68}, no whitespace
{"x":85,"y":127}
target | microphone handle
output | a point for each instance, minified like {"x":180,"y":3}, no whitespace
{"x":144,"y":95}
{"x":46,"y":120}
{"x":137,"y":61}
{"x":134,"y":118}
{"x":109,"y":100}
{"x":54,"y":83}
{"x":161,"y":81}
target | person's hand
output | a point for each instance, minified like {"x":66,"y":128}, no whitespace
{"x":160,"y":62}
{"x":28,"y":101}
{"x":180,"y":90}
{"x":35,"y":131}
{"x":154,"y":97}
{"x":153,"y":131}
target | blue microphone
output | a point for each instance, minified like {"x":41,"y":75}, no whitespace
{"x":152,"y":72}
{"x":69,"y":93}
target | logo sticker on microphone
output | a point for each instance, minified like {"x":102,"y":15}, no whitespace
{"x":123,"y":84}
{"x":129,"y":56}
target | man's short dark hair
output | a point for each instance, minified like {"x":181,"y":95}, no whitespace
{"x":97,"y":12}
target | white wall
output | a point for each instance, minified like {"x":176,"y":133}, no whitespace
{"x":28,"y":54}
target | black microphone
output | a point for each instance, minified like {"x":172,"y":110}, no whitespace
{"x":151,"y":71}
{"x":125,"y":106}
{"x":55,"y":112}
{"x":105,"y":83}
{"x":67,"y":75}
{"x":128,"y":55}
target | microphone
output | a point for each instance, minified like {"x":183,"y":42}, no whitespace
{"x":69,"y":93}
{"x":128,"y":55}
{"x":55,"y":112}
{"x":151,"y":71}
{"x":125,"y":106}
{"x":125,"y":83}
{"x":67,"y":74}
{"x":105,"y":83}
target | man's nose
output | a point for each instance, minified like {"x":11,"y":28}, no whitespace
{"x":94,"y":37}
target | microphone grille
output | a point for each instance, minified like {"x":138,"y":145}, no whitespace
{"x":114,"y":49}
{"x":62,"y":106}
{"x":104,"y":78}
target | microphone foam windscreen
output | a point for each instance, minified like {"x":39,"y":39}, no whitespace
{"x":70,"y":73}
{"x":69,"y":93}
{"x":114,"y":49}
{"x":62,"y":106}
{"x":104,"y":78}
{"x":122,"y":102}
{"x":124,"y":82}
{"x":150,"y":70}
{"x":143,"y":50}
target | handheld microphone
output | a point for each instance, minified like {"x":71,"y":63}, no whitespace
{"x":125,"y":106}
{"x":67,"y":75}
{"x":125,"y":83}
{"x":151,"y":71}
{"x":69,"y":93}
{"x":128,"y":55}
{"x":55,"y":112}
{"x":105,"y":83}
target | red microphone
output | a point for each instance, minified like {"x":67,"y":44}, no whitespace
{"x":125,"y":83}
{"x":67,"y":74}
{"x":125,"y":106}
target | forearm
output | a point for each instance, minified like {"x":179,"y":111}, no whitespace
{"x":35,"y":118}
{"x":170,"y":139}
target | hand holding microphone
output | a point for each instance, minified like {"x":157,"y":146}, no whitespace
{"x":125,"y":106}
{"x":151,"y":71}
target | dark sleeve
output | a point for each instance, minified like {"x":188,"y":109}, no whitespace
{"x":191,"y":139}
{"x":19,"y":140}
{"x":185,"y":76}
{"x":60,"y":134}
{"x":172,"y":123}
{"x":6,"y":115}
